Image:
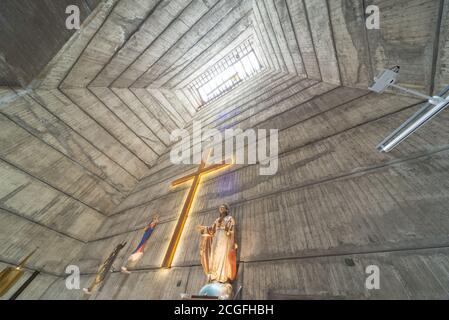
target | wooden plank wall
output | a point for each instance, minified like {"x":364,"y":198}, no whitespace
{"x":85,"y":155}
{"x":334,"y":198}
{"x":25,"y":27}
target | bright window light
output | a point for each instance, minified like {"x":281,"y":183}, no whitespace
{"x":238,"y":66}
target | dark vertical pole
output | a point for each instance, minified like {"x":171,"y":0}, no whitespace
{"x":24,"y":285}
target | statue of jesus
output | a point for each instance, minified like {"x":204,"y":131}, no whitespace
{"x":218,"y":248}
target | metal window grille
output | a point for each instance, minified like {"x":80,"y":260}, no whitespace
{"x":239,"y":65}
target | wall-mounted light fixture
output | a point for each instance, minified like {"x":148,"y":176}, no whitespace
{"x":436,"y":104}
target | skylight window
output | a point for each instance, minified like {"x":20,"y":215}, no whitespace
{"x":238,"y":66}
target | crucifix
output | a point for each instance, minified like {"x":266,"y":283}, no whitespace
{"x":202,"y":170}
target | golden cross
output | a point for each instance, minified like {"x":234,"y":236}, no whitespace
{"x":196,"y":176}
